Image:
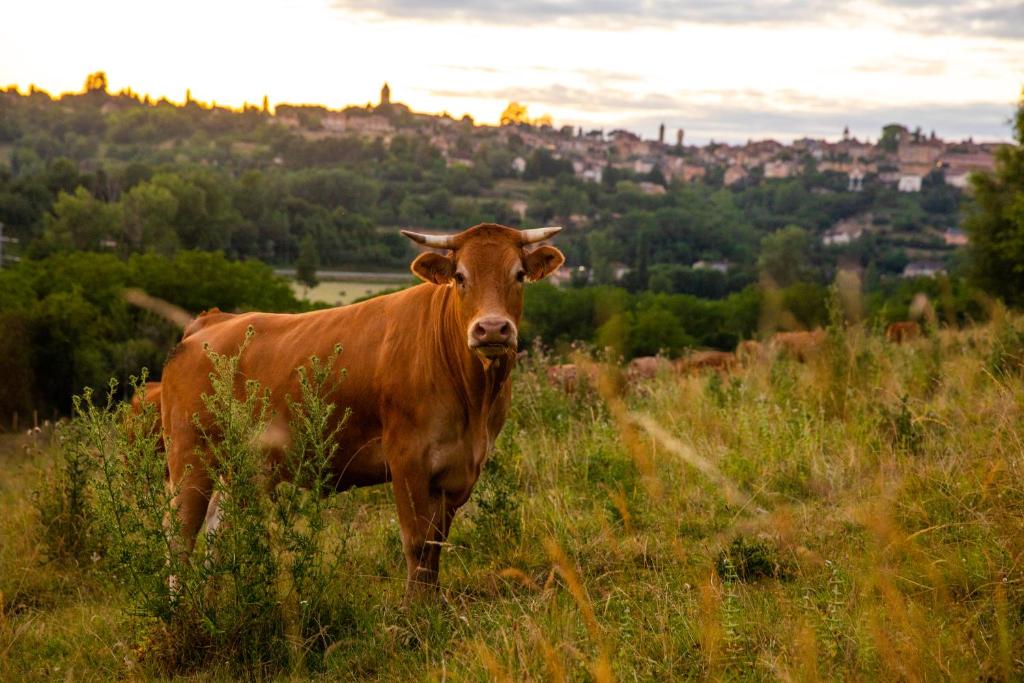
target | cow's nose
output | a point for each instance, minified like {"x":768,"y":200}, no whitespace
{"x":493,"y":331}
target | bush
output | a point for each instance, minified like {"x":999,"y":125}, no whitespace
{"x":65,"y":500}
{"x":255,"y":593}
{"x":749,"y":560}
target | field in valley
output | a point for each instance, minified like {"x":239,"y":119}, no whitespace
{"x":340,"y":292}
{"x":855,"y":517}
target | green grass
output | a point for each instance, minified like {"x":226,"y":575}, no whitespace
{"x":858,"y":517}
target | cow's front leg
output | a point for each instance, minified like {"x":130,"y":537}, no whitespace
{"x":425,"y":516}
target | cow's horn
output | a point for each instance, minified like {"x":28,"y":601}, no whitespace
{"x":538,"y":234}
{"x":435,"y":241}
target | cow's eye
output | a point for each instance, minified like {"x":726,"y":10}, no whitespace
{"x":460,"y":278}
{"x":520,"y":275}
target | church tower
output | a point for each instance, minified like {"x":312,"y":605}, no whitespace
{"x":385,"y":95}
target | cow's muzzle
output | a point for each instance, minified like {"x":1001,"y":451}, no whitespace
{"x":492,"y":336}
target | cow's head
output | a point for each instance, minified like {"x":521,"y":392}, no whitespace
{"x":487,"y":266}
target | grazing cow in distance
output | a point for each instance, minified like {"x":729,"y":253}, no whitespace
{"x":722,"y":361}
{"x":902,"y":331}
{"x":646,"y":367}
{"x":568,"y":375}
{"x":749,"y":350}
{"x":800,"y":346}
{"x":428,"y":383}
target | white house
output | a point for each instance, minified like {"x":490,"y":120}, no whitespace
{"x":924,"y":269}
{"x":717,"y":266}
{"x":909,"y":183}
{"x":855,"y":180}
{"x":839,"y":237}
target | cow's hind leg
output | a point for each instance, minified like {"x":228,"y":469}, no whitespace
{"x":189,"y":505}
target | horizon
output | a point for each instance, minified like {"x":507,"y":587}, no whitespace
{"x":789,"y":72}
{"x":647,"y":135}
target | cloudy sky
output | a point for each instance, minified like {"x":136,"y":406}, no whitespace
{"x":723,"y":71}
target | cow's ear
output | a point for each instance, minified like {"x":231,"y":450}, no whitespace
{"x":432,"y":267}
{"x":543,"y":261}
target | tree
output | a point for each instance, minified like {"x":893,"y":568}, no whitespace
{"x":890,"y":139}
{"x":996,"y":223}
{"x":80,"y":221}
{"x":308,"y":262}
{"x":514,"y":115}
{"x":96,"y":82}
{"x":149,"y":215}
{"x":785,"y":256}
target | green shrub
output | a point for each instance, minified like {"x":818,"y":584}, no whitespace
{"x":749,"y":560}
{"x":256,"y":595}
{"x":64,"y":500}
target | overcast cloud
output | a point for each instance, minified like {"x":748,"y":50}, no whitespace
{"x":996,"y":18}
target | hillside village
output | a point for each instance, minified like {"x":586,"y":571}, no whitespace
{"x":901,"y":158}
{"x":891,"y":204}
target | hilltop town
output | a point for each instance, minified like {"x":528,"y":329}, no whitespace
{"x":640,"y":212}
{"x":900,"y":157}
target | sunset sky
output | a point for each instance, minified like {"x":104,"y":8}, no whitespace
{"x":727,"y":71}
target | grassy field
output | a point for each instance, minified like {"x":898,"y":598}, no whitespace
{"x":856,"y":517}
{"x":338,"y":293}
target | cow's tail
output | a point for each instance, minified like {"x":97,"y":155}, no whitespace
{"x":165,"y":309}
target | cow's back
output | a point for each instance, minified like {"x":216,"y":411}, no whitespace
{"x":382,"y":356}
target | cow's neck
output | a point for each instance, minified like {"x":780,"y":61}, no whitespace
{"x":478,"y":382}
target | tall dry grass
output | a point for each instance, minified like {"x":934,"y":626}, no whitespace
{"x":854,"y":517}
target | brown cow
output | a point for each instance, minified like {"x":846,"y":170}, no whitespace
{"x":902,"y":331}
{"x":152,"y":395}
{"x":646,"y":367}
{"x":749,"y":350}
{"x":722,"y":361}
{"x":568,"y":375}
{"x":427,"y":385}
{"x":800,"y":346}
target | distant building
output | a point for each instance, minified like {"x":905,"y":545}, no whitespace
{"x":385,"y":95}
{"x":924,"y":269}
{"x":588,"y":170}
{"x":734,"y":174}
{"x":836,"y":237}
{"x":909,"y":183}
{"x":855,"y":180}
{"x":847,"y":230}
{"x":779,"y":169}
{"x":955,"y":238}
{"x":957,"y":168}
{"x":643,"y":166}
{"x":519,"y":165}
{"x":923,"y":152}
{"x":651,"y":188}
{"x":717,"y":266}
